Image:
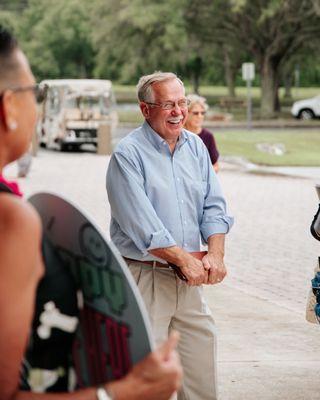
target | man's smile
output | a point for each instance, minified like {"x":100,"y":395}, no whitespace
{"x":175,"y":120}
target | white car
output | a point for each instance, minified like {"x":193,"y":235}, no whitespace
{"x":306,"y":109}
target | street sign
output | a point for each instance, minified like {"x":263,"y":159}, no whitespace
{"x":248,"y":75}
{"x":248,"y":71}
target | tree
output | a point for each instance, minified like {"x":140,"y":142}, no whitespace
{"x":56,"y":37}
{"x":10,"y":11}
{"x":273,"y":31}
{"x":135,"y":37}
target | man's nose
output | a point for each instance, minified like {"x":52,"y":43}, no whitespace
{"x":177,"y":108}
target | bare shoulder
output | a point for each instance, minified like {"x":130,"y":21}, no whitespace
{"x":21,"y":268}
{"x":20,"y":232}
{"x":16,"y":214}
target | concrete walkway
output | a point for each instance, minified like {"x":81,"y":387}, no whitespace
{"x":267,"y":350}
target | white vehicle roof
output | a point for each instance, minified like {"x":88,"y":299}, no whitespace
{"x":89,"y":87}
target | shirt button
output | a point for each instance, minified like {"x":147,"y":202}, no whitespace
{"x":178,"y":179}
{"x":182,"y":201}
{"x":186,"y":244}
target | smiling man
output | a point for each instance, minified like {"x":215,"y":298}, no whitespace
{"x":165,"y":198}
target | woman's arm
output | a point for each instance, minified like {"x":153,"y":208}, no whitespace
{"x":20,"y":269}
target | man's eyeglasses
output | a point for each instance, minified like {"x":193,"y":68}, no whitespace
{"x":40,"y":92}
{"x":170,"y":105}
{"x":198,"y":112}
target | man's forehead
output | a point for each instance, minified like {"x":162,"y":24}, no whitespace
{"x":167,"y":89}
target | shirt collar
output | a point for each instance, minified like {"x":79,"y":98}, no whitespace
{"x":158,"y":141}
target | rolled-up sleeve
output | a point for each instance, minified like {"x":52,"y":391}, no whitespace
{"x":214,"y":218}
{"x":131,"y":208}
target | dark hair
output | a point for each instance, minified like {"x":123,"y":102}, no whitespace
{"x":8,"y":61}
{"x":7,"y":43}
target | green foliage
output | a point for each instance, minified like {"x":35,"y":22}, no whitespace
{"x":10,"y":11}
{"x":135,"y":37}
{"x":203,"y":41}
{"x":56,"y":37}
{"x":272,"y":32}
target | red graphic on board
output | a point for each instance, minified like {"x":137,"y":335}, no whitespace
{"x":105,"y":345}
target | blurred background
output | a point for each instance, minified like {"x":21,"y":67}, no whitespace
{"x":205,"y":43}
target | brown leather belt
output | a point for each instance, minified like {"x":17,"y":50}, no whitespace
{"x":152,"y":263}
{"x":158,"y":264}
{"x":197,"y":254}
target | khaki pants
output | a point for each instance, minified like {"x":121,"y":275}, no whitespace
{"x":171,"y":304}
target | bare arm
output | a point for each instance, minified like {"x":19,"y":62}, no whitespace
{"x":213,"y":261}
{"x":156,"y":377}
{"x":191,"y":267}
{"x":20,"y":269}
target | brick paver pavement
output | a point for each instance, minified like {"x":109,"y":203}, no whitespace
{"x":270,"y":251}
{"x":266,"y":349}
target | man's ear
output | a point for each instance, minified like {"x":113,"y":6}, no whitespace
{"x":145,"y":110}
{"x":8,"y":113}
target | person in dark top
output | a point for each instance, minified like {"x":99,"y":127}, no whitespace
{"x":26,"y":282}
{"x":196,"y":112}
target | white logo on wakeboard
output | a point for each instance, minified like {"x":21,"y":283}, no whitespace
{"x":51,"y":317}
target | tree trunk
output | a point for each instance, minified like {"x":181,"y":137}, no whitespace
{"x":269,"y":88}
{"x":288,"y":86}
{"x":229,"y":73}
{"x":196,"y":83}
{"x":277,"y":105}
{"x":82,"y":70}
{"x":196,"y":73}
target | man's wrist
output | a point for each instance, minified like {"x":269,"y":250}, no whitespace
{"x":216,"y":245}
{"x":216,"y":254}
{"x":174,"y":254}
{"x":183,"y":258}
{"x":124,"y":389}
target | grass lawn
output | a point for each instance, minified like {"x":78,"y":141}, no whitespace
{"x":302,"y":147}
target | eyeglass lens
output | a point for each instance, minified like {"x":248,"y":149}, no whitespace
{"x":183,"y":103}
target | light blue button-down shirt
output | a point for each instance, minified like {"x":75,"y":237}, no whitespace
{"x":159,"y":199}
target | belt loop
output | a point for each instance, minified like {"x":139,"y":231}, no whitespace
{"x":154,"y":264}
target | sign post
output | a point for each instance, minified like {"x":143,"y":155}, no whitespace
{"x":248,"y":75}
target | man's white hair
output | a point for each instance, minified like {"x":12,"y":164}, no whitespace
{"x":144,"y":86}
